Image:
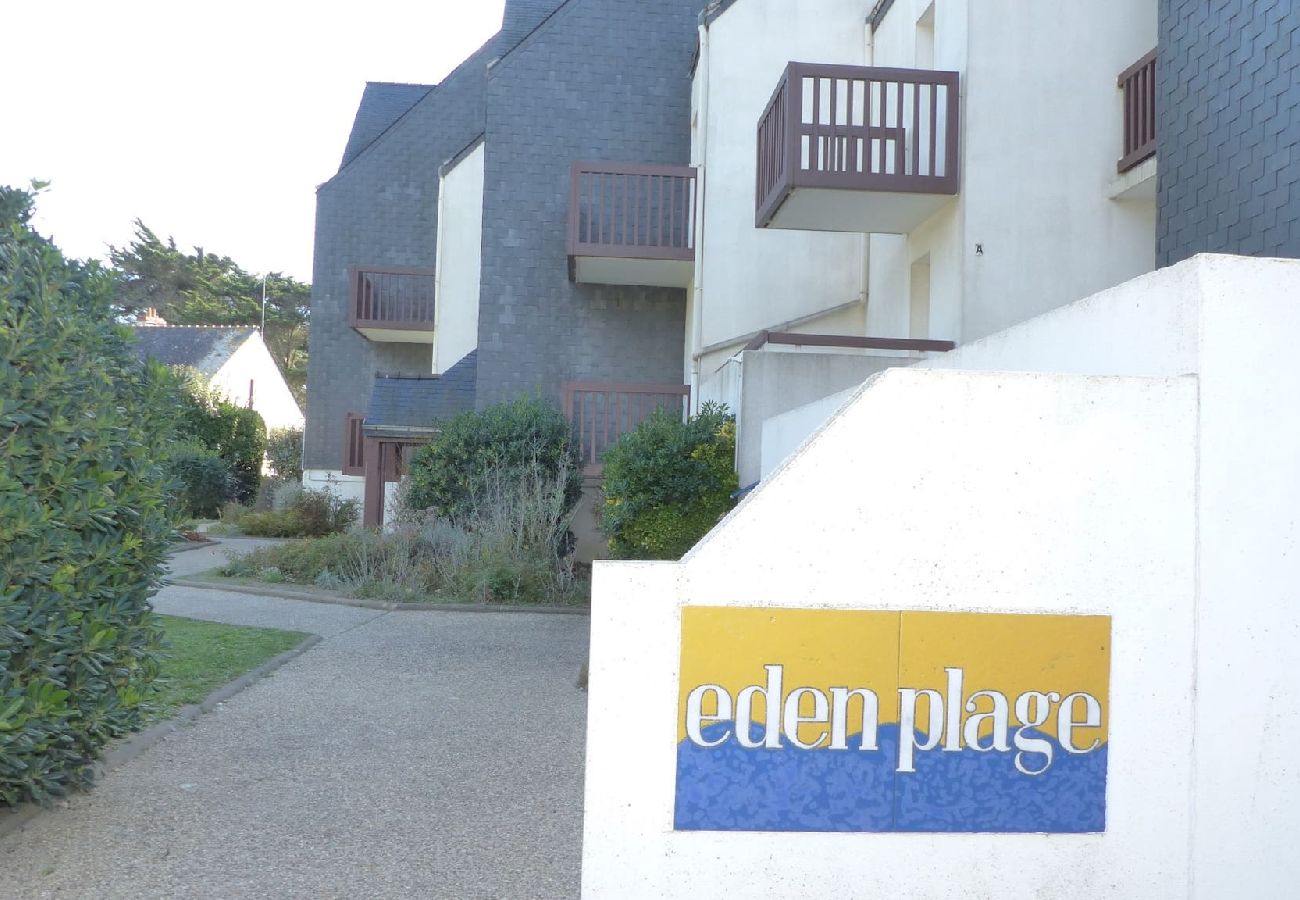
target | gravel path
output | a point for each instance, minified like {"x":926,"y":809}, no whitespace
{"x":409,"y":754}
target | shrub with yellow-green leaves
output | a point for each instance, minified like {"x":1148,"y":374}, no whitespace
{"x":667,"y":482}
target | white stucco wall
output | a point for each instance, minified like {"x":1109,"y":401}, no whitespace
{"x":348,"y":487}
{"x":460,"y":247}
{"x":272,"y":399}
{"x":747,"y":278}
{"x":1166,"y":500}
{"x":930,"y":491}
{"x":1041,"y":133}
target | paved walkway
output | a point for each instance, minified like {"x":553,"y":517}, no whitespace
{"x":409,"y":754}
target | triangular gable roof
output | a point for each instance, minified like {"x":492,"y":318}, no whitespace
{"x":202,"y":347}
{"x":382,"y":104}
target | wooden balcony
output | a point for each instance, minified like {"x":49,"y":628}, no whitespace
{"x":632,"y":224}
{"x":1138,"y":82}
{"x":600,"y":413}
{"x":858,"y":149}
{"x":394,"y":305}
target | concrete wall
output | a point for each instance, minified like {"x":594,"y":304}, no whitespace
{"x":1009,"y":493}
{"x":775,"y":381}
{"x":1227,"y":76}
{"x":460,"y":245}
{"x":1163,"y":500}
{"x":747,"y":278}
{"x":272,"y":399}
{"x":783,"y":434}
{"x":1037,"y":200}
{"x":601,"y":80}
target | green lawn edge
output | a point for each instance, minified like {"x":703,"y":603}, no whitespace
{"x":204,"y":656}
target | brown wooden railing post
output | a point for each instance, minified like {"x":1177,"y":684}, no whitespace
{"x":1138,"y":82}
{"x":845,"y":153}
{"x":615,"y":409}
{"x":400,"y":299}
{"x":630,"y":212}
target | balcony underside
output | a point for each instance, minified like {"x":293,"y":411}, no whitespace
{"x":418,"y":333}
{"x":674,"y":273}
{"x":871,"y":211}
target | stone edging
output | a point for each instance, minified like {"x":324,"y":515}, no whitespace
{"x":311,"y":596}
{"x":128,"y":749}
{"x":193,"y":545}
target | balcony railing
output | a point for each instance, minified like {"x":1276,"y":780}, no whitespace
{"x":632,"y":224}
{"x":601,"y":413}
{"x":1138,"y":82}
{"x":857,"y":128}
{"x":392,"y":304}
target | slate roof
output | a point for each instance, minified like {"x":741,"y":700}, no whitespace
{"x":382,"y":104}
{"x":202,"y":347}
{"x":413,"y":403}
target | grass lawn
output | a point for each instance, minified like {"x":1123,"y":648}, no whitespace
{"x":202,"y":656}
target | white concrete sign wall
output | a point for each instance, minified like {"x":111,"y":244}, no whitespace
{"x":1165,"y":501}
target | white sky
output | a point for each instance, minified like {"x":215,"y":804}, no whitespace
{"x":213,"y":123}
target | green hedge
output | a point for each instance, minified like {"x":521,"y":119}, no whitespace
{"x":284,"y":453}
{"x":202,"y":482}
{"x":667,"y":482}
{"x":83,"y":525}
{"x":478,"y":451}
{"x":235,"y":433}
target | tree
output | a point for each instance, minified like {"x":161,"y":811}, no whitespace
{"x":202,"y":288}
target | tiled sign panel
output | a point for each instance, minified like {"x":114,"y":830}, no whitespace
{"x":848,"y":720}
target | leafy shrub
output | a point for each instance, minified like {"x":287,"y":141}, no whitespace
{"x":83,"y":519}
{"x":235,"y":433}
{"x":284,"y":453}
{"x":667,"y":482}
{"x":306,"y":514}
{"x":450,"y":474}
{"x":202,"y":482}
{"x":505,"y":550}
{"x":286,"y":494}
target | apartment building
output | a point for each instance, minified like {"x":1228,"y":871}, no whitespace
{"x":924,"y":173}
{"x":446,"y":274}
{"x":886,"y":180}
{"x":620,"y":206}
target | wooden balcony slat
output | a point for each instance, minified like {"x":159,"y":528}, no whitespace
{"x":397,"y":299}
{"x":631,"y":211}
{"x":842,"y":153}
{"x":1138,"y":82}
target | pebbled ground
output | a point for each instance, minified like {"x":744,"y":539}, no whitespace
{"x":409,"y":754}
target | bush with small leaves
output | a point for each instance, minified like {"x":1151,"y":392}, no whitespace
{"x":450,"y":475}
{"x":667,"y":482}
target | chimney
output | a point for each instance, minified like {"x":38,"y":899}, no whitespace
{"x":151,"y":318}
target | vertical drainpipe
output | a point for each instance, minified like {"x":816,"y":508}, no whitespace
{"x":868,"y":57}
{"x":697,"y":284}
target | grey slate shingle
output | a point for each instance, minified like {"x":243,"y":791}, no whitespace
{"x":382,"y":104}
{"x":405,"y":402}
{"x":201,"y":347}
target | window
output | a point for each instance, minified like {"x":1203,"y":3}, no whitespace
{"x":354,"y":445}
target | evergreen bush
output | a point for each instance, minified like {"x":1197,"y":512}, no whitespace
{"x":83,"y":520}
{"x":477,"y":450}
{"x":201,"y":482}
{"x":235,"y":433}
{"x":284,"y":453}
{"x":667,"y":482}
